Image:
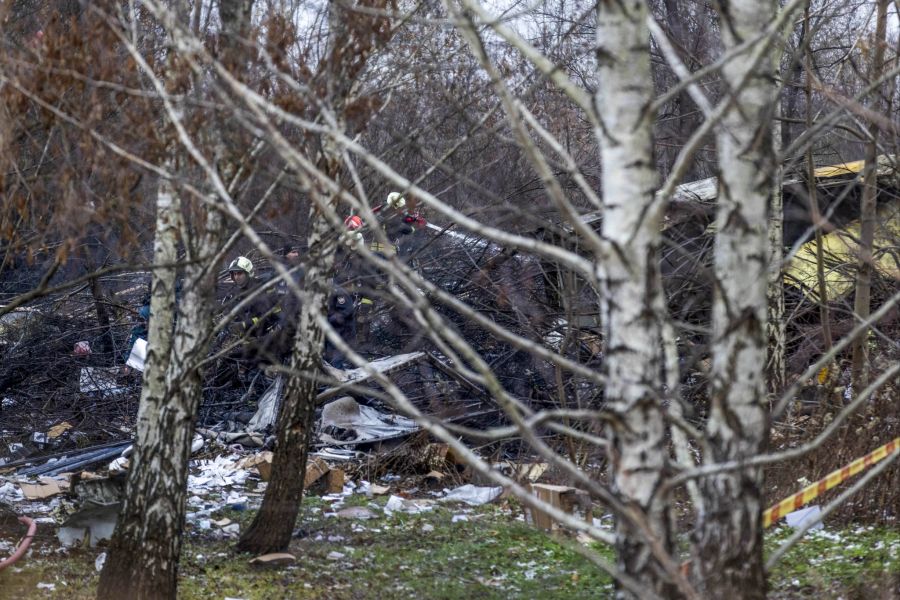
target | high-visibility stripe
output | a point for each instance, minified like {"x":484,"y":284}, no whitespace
{"x":383,"y":248}
{"x":833,"y":479}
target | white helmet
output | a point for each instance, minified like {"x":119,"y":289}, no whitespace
{"x":396,"y":200}
{"x":241,"y":263}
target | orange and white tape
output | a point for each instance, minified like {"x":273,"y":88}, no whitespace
{"x":807,"y":494}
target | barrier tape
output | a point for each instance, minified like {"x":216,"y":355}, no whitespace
{"x":807,"y":494}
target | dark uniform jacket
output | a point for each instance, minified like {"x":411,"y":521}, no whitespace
{"x":255,"y":320}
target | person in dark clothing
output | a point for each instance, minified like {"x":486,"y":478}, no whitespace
{"x":280,"y":340}
{"x":341,"y":308}
{"x":400,"y":223}
{"x":141,"y":327}
{"x":260,"y":312}
{"x":256,"y":318}
{"x":342,"y":317}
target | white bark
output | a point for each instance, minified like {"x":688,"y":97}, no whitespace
{"x":146,"y":545}
{"x":148,"y":531}
{"x":728,"y":550}
{"x":630,"y":286}
{"x":776,"y":334}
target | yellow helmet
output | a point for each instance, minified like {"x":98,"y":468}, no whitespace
{"x":241,"y":263}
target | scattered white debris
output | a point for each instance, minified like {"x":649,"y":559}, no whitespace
{"x":356,"y":512}
{"x":398,"y":504}
{"x":337,"y":454}
{"x":334,"y":555}
{"x":10,"y":493}
{"x":138,"y":354}
{"x":799,"y":518}
{"x":46,"y":586}
{"x":217,"y":473}
{"x":458,"y":518}
{"x":472,"y":495}
{"x":100,"y":561}
{"x":118,"y":466}
{"x":427,"y":528}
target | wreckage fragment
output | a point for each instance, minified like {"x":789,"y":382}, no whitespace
{"x":345,"y":421}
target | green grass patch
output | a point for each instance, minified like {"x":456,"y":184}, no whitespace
{"x":856,"y":562}
{"x":490,"y":555}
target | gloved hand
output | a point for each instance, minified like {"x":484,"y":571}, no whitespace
{"x":352,"y":239}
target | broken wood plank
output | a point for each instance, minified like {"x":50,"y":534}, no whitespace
{"x":315,"y":469}
{"x":335,"y":481}
{"x":562,"y":497}
{"x":276,"y":559}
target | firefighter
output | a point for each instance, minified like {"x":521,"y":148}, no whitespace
{"x":342,"y":317}
{"x":257,"y":315}
{"x":340,"y":312}
{"x":254,"y":321}
{"x":399,"y":222}
{"x":281,"y":339}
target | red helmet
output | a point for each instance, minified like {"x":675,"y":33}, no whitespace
{"x":353,"y":222}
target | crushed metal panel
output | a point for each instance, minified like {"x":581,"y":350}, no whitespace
{"x":345,"y":415}
{"x":267,"y":411}
{"x":360,"y":375}
{"x":840,"y":249}
{"x":100,"y":379}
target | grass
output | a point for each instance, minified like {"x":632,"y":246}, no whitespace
{"x":491,"y":555}
{"x":860,"y":562}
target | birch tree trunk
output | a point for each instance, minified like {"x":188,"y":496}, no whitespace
{"x":728,"y":537}
{"x":145,"y":549}
{"x":140,"y":559}
{"x":631,"y":286}
{"x":868,"y":216}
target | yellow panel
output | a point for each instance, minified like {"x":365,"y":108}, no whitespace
{"x":842,"y":169}
{"x":840,"y":257}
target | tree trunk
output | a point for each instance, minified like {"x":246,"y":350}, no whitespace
{"x":868,"y":216}
{"x":274,"y":523}
{"x":146,"y":546}
{"x":728,"y":559}
{"x":775,"y":331}
{"x":776,"y":334}
{"x":812,"y":191}
{"x":272,"y":527}
{"x":631,"y":287}
{"x":139,"y":563}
